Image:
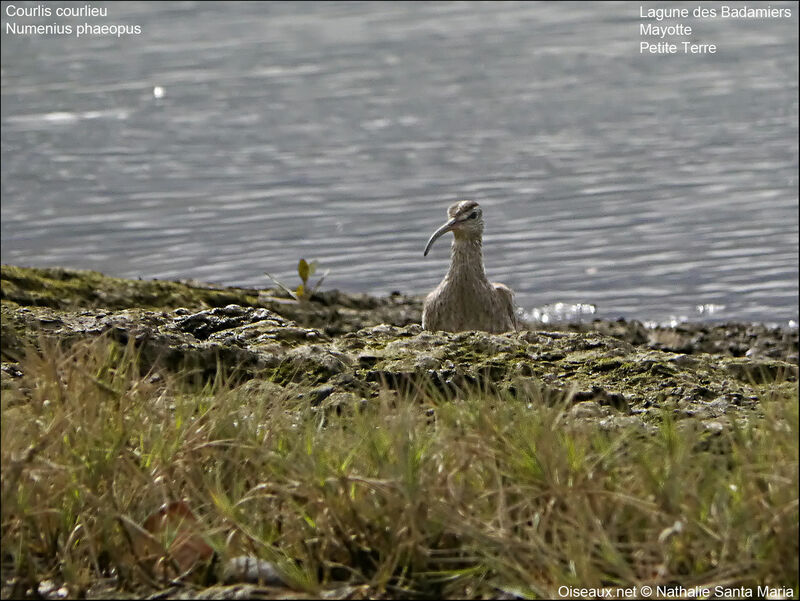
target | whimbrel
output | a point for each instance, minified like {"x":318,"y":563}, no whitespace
{"x":465,"y":299}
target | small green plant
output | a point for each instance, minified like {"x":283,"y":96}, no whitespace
{"x":305,"y":270}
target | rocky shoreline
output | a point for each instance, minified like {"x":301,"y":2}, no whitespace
{"x":340,"y":349}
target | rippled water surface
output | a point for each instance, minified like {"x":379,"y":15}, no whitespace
{"x":650,"y":186}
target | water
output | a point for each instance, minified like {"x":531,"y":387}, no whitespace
{"x":231,"y":139}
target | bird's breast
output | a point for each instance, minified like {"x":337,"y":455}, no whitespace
{"x":458,"y":305}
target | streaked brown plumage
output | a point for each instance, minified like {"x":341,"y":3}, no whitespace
{"x":465,"y":299}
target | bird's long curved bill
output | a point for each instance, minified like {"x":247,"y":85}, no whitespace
{"x":437,"y":234}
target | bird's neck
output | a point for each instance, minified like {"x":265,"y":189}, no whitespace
{"x":466,"y":260}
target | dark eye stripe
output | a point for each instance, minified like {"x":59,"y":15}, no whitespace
{"x":473,"y":215}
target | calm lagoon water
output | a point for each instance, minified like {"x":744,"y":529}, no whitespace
{"x":229,"y":139}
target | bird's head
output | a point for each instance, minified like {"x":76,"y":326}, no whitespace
{"x":466,"y":223}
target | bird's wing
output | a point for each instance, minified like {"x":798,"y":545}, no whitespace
{"x":506,"y":296}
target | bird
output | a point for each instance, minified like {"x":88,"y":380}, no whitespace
{"x":465,"y":299}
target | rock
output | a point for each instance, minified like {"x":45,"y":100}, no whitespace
{"x":586,"y":409}
{"x":263,"y":388}
{"x":314,"y":362}
{"x":317,"y":395}
{"x":252,"y":570}
{"x":205,"y":323}
{"x":426,"y":363}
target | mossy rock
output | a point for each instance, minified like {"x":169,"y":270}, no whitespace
{"x":248,"y":335}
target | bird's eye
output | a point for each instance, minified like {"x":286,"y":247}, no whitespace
{"x":473,"y":215}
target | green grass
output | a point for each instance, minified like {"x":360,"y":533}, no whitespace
{"x":406,"y":495}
